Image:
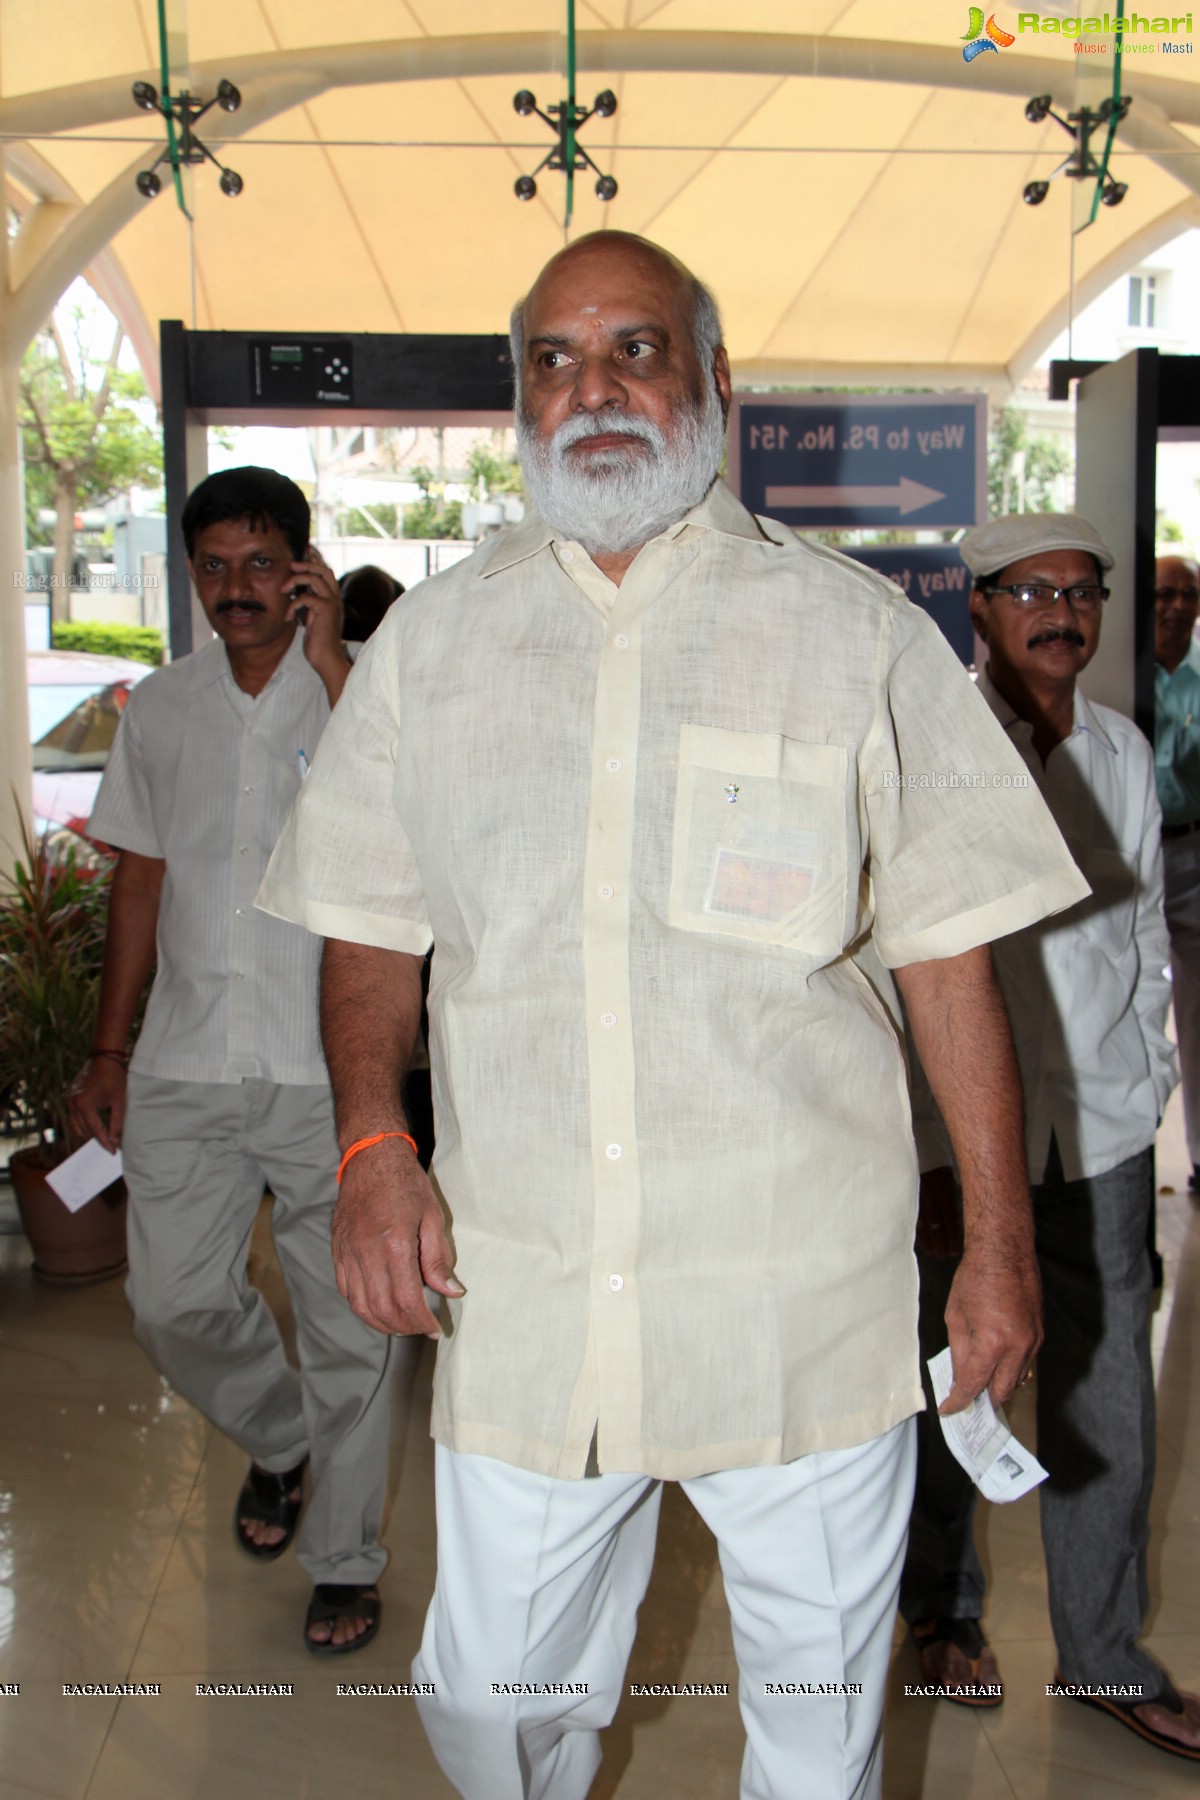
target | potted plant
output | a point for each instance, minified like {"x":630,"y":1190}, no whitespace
{"x":53,"y":915}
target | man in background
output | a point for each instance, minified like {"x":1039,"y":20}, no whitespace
{"x":1087,"y":995}
{"x":1177,"y":771}
{"x":227,"y":1088}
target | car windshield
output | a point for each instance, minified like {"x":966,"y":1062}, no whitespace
{"x":79,"y":734}
{"x":47,"y":705}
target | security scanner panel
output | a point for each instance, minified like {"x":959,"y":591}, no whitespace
{"x":1123,"y":411}
{"x":305,"y":379}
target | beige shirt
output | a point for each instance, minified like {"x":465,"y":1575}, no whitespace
{"x":659,"y":836}
{"x":204,"y":775}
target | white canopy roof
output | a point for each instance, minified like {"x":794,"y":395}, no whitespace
{"x":849,"y":186}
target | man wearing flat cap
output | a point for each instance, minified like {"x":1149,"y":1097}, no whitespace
{"x":1087,"y":995}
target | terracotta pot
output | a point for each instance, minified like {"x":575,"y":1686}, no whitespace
{"x":88,"y":1245}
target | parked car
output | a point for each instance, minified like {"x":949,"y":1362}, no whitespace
{"x":75,"y":704}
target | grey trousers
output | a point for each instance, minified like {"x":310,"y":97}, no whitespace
{"x":197,"y":1156}
{"x":1095,"y":1433}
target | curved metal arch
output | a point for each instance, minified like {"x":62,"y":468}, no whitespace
{"x":88,"y":104}
{"x":1110,"y":268}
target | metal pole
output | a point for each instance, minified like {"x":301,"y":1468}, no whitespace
{"x":569,"y":133}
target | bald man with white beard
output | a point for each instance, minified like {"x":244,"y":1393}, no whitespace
{"x":667,"y":789}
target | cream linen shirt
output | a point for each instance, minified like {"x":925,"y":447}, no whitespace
{"x":204,"y":775}
{"x":658,"y":834}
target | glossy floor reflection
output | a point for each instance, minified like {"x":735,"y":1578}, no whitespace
{"x":117,"y":1564}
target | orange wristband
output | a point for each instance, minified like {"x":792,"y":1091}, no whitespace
{"x":366,"y":1143}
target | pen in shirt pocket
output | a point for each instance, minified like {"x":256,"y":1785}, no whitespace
{"x":303,"y":762}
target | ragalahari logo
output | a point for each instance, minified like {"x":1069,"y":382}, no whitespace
{"x":979,"y":37}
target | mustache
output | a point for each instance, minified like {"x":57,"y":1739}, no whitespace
{"x":586,"y":425}
{"x":1053,"y":633}
{"x":226,"y":606}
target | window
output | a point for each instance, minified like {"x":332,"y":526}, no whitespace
{"x":1144,"y":308}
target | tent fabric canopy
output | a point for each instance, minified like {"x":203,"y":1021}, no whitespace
{"x":849,"y":186}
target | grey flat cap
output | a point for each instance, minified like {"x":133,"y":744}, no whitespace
{"x":988,"y":548}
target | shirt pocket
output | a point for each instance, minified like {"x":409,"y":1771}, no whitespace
{"x":759,"y":847}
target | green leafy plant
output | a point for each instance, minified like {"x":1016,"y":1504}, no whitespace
{"x":85,"y":433}
{"x":432,"y":516}
{"x":1046,"y":461}
{"x":53,"y":918}
{"x":140,"y":643}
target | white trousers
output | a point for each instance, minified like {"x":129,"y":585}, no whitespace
{"x":539,"y":1582}
{"x":1181,"y":878}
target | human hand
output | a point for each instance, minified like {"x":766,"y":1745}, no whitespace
{"x":319,"y":595}
{"x":994,"y":1322}
{"x":390,"y":1242}
{"x":99,"y":1087}
{"x":939,"y":1215}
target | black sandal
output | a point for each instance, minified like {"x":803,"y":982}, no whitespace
{"x":1123,"y":1712}
{"x":268,"y":1499}
{"x":332,"y":1600}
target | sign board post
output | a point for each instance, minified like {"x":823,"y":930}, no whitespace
{"x":830,"y":461}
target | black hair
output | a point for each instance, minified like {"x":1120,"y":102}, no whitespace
{"x":366,"y":595}
{"x":262,"y":497}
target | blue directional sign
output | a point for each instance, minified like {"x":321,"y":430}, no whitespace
{"x":936,"y":578}
{"x":816,"y":460}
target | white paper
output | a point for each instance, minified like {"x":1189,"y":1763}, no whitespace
{"x":85,"y":1174}
{"x":980,"y":1440}
{"x":1015,"y":1472}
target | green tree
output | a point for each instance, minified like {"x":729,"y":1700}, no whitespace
{"x":1045,"y":461}
{"x":83,"y":439}
{"x":432,"y":516}
{"x":493,"y":473}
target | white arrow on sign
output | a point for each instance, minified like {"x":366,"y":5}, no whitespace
{"x":906,"y":496}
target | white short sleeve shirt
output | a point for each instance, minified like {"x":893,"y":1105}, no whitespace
{"x":203,"y":775}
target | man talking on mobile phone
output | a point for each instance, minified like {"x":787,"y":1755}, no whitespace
{"x":227,"y":1090}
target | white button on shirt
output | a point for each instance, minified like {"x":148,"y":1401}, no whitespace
{"x":204,"y":775}
{"x":740,"y":1139}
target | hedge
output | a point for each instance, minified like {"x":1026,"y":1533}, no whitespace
{"x":141,"y":643}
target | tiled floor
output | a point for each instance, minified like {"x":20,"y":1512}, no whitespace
{"x":117,"y":1564}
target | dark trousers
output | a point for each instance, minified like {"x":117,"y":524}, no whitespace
{"x":1095,"y":1433}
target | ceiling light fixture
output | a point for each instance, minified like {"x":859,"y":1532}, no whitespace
{"x":565,"y":120}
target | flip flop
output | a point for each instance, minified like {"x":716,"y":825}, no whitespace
{"x":1122,"y":1711}
{"x":942,"y":1643}
{"x":332,"y":1600}
{"x":267,"y":1499}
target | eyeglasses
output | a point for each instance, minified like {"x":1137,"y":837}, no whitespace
{"x":1039,"y":596}
{"x":1163,"y":596}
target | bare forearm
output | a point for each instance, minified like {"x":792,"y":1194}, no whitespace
{"x":962,"y":1035}
{"x":370,"y":1015}
{"x":334,"y":671}
{"x":389,"y":1237}
{"x":129,"y":948}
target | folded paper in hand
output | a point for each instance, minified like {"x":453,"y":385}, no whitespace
{"x":979,"y":1439}
{"x":84,"y":1175}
